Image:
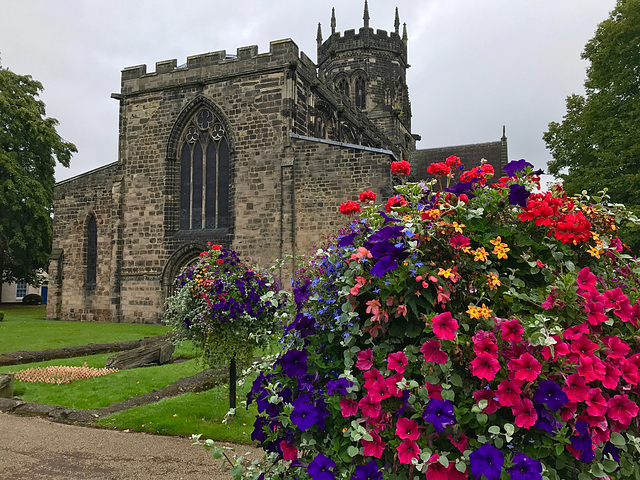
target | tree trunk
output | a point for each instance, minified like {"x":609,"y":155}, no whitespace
{"x":232,"y":383}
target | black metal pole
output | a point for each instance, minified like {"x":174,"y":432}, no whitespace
{"x":232,"y":383}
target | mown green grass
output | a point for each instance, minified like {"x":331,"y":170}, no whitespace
{"x":100,"y":392}
{"x":191,"y":413}
{"x":25,"y":328}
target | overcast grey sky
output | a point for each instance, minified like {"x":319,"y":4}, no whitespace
{"x":475,"y":64}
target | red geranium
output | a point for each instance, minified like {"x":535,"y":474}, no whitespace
{"x":349,"y":207}
{"x":367,"y":196}
{"x":438,"y":169}
{"x":395,"y":201}
{"x":401,"y":168}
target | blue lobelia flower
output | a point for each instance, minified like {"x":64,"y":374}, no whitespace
{"x":513,"y":167}
{"x":487,"y":461}
{"x":368,"y":471}
{"x":525,"y":468}
{"x":319,"y":468}
{"x":304,"y":414}
{"x":518,"y":195}
{"x":440,"y":414}
{"x":551,"y":395}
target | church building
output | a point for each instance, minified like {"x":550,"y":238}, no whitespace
{"x":253,"y":150}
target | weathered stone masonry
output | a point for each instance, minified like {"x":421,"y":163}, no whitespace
{"x":255,"y":151}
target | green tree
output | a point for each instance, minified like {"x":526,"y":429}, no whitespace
{"x":597,"y":145}
{"x":29,"y":150}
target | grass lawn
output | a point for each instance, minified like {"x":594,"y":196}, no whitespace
{"x":189,"y":414}
{"x":100,"y":391}
{"x":25,"y":328}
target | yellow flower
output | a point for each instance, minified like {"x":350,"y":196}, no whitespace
{"x":466,"y":249}
{"x":501,"y":252}
{"x":446,"y":273}
{"x":497,"y":241}
{"x":485,"y":312}
{"x":433,"y":213}
{"x":480,"y":254}
{"x":595,"y":251}
{"x":493,"y":281}
{"x":458,"y":227}
{"x":473,"y":311}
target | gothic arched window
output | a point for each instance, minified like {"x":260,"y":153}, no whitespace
{"x":343,"y":87}
{"x":92,"y":250}
{"x":361,"y":94}
{"x":204,"y":174}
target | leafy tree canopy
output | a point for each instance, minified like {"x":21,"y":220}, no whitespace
{"x":597,"y":144}
{"x":29,"y":150}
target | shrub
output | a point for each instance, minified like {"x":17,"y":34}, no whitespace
{"x":32,"y":299}
{"x":477,"y":332}
{"x":1,"y":316}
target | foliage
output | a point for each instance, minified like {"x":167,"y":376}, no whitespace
{"x":597,"y":144}
{"x":29,"y":150}
{"x":225,"y":307}
{"x":59,"y":374}
{"x":481,"y":332}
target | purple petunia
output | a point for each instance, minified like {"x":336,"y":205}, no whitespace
{"x":583,"y":442}
{"x":387,"y":233}
{"x":525,"y":468}
{"x":440,"y":414}
{"x":512,"y":168}
{"x":551,"y":395}
{"x":347,"y":240}
{"x":338,"y":386}
{"x":294,"y":363}
{"x":368,"y":471}
{"x":518,"y":195}
{"x":487,"y":461}
{"x":304,"y":414}
{"x":319,"y":468}
{"x":546,"y":421}
{"x":382,"y":266}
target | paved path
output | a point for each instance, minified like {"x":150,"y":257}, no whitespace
{"x":35,"y":448}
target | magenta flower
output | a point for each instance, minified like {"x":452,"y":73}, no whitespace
{"x":485,"y":366}
{"x":407,"y":451}
{"x":348,"y":407}
{"x":407,"y":428}
{"x":444,"y":326}
{"x":432,"y":352}
{"x":525,"y":414}
{"x":511,"y":331}
{"x":526,"y":367}
{"x":397,"y":361}
{"x":374,"y":447}
{"x":365,"y":359}
{"x":622,"y":409}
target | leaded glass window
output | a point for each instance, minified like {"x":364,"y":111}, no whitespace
{"x":343,"y":86}
{"x":92,"y":249}
{"x":204,"y":174}
{"x":21,"y":289}
{"x":361,"y":94}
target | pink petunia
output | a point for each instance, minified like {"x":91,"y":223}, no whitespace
{"x":586,"y":280}
{"x":611,"y":376}
{"x":485,"y":345}
{"x":397,"y":361}
{"x":596,"y":405}
{"x":289,"y":452}
{"x":407,"y":428}
{"x":374,"y":447}
{"x":436,"y":470}
{"x":526,"y":367}
{"x":630,"y":372}
{"x":490,"y":397}
{"x":365,"y":359}
{"x":378,"y":391}
{"x":444,"y":326}
{"x":432,"y":352}
{"x":369,"y":407}
{"x":614,"y":347}
{"x":434,"y":391}
{"x":392,"y":384}
{"x":458,"y":241}
{"x":511,"y":331}
{"x":525,"y":414}
{"x":485,"y":366}
{"x":348,"y":407}
{"x":576,"y":388}
{"x":508,"y":392}
{"x":407,"y":451}
{"x":622,"y":409}
{"x":460,"y":443}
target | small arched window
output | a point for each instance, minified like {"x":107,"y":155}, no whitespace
{"x":343,"y":87}
{"x":92,"y":250}
{"x":361,"y":94}
{"x":204,"y":174}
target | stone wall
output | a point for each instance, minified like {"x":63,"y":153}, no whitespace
{"x":75,"y":200}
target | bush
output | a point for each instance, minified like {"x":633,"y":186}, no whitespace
{"x":1,"y":316}
{"x":483,"y":332}
{"x":32,"y":299}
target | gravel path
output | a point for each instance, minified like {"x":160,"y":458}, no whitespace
{"x":35,"y":448}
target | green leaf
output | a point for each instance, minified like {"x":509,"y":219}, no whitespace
{"x":494,"y":429}
{"x":617,"y":439}
{"x":509,"y":428}
{"x":236,"y":472}
{"x":482,"y":418}
{"x":456,"y":380}
{"x":352,"y":451}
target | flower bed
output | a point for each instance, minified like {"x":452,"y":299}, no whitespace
{"x":61,"y":374}
{"x":482,"y":331}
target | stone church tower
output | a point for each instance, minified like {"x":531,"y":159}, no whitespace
{"x":251,"y":150}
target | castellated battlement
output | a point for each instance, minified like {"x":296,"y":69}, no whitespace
{"x":364,"y":39}
{"x":213,"y":66}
